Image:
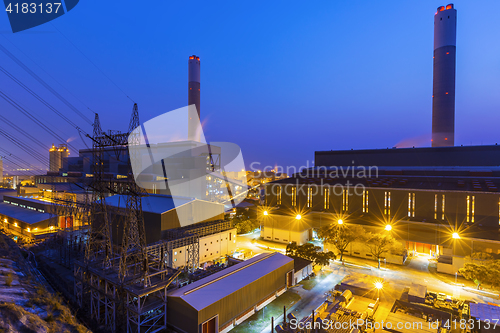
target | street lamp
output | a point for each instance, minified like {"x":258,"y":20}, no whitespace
{"x":455,"y":235}
{"x":298,"y":217}
{"x":388,"y":227}
{"x":266,"y":213}
{"x":379,"y":285}
{"x":340,"y":221}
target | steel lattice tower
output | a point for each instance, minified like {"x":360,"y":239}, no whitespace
{"x":134,"y":237}
{"x":99,"y":244}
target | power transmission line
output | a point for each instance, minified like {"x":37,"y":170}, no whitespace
{"x":20,"y":130}
{"x":91,"y":62}
{"x":35,"y":154}
{"x":20,"y":166}
{"x":33,"y":118}
{"x":32,"y":93}
{"x":41,"y":68}
{"x":43,"y":83}
{"x":16,"y":157}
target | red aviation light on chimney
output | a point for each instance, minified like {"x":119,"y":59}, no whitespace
{"x":440,"y":8}
{"x":191,"y":57}
{"x":449,"y":6}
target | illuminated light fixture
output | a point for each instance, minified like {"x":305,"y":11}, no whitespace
{"x":446,"y":138}
{"x":455,"y":235}
{"x":450,"y":6}
{"x":441,"y":8}
{"x":379,"y":285}
{"x":388,"y":227}
{"x":15,"y":224}
{"x":447,"y":52}
{"x":298,"y":217}
{"x":266,"y":213}
{"x":28,"y":230}
{"x":5,"y":220}
{"x":35,"y":229}
{"x":51,"y":227}
{"x":340,"y":221}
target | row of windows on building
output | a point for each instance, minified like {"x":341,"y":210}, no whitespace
{"x":55,"y":179}
{"x":24,"y":206}
{"x":438,"y":213}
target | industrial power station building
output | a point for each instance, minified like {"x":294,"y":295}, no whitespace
{"x":449,"y":211}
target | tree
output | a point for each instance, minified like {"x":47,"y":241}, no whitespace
{"x":475,"y":272}
{"x":323,"y":258}
{"x":340,"y":235}
{"x":481,"y":268}
{"x":379,"y":244}
{"x":245,"y":225}
{"x":310,"y":252}
{"x":291,"y":249}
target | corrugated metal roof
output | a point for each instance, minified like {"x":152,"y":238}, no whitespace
{"x":23,"y":214}
{"x":58,"y":187}
{"x":485,"y":312}
{"x":211,"y":289}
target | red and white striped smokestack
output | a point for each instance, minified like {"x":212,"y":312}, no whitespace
{"x":194,"y":96}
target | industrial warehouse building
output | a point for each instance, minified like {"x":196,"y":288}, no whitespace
{"x":220,"y":301}
{"x":302,"y":268}
{"x":286,"y":229}
{"x":424,"y":204}
{"x":161,"y":213}
{"x":22,"y":220}
{"x":32,"y":218}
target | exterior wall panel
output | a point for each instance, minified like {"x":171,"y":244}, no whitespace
{"x":246,"y":298}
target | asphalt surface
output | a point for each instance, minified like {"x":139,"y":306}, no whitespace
{"x":395,"y":277}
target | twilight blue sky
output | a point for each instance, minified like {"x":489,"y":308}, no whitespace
{"x":279,"y":78}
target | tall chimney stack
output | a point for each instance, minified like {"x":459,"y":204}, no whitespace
{"x":194,"y":96}
{"x":443,"y":92}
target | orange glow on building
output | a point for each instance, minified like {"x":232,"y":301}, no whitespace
{"x":446,"y":93}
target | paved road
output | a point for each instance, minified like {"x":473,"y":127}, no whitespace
{"x":399,"y":276}
{"x":396,"y":278}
